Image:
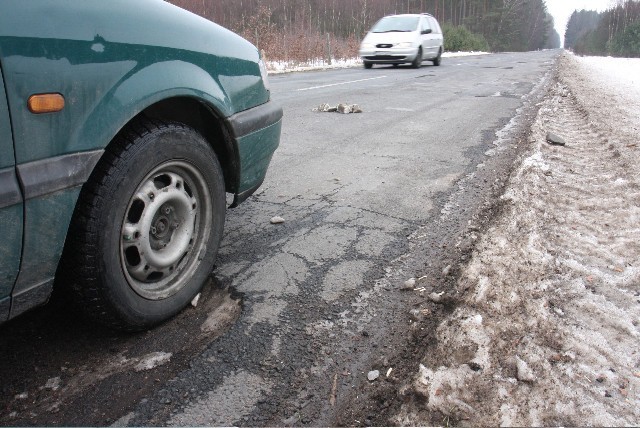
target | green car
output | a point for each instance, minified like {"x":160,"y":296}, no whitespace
{"x":123,"y":125}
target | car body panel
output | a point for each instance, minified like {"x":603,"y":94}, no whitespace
{"x":106,"y":81}
{"x":430,"y":41}
{"x":110,"y":61}
{"x":11,"y":209}
{"x":256,"y":150}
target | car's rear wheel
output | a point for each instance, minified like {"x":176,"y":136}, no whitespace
{"x":147,"y":226}
{"x":368,"y":65}
{"x":438,"y":60}
{"x":418,"y":61}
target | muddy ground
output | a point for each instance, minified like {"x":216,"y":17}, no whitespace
{"x":545,"y":324}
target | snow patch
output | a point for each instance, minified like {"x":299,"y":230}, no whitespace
{"x":548,"y":331}
{"x":279,"y":67}
{"x":152,"y":360}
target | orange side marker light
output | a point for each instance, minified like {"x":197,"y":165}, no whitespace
{"x":45,"y":103}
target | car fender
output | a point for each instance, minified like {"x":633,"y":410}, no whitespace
{"x":144,"y":88}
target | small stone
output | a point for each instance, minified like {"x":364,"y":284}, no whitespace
{"x":436,"y":297}
{"x":277,"y":220}
{"x":524,"y":372}
{"x":195,"y":300}
{"x":607,"y":394}
{"x":600,"y":379}
{"x":22,"y":396}
{"x":416,"y":315}
{"x":53,"y":383}
{"x":293,"y":420}
{"x":446,"y":271}
{"x":555,"y":139}
{"x":409,"y":284}
{"x":373,"y":375}
{"x":355,"y":108}
{"x":560,"y":358}
{"x":474,"y":366}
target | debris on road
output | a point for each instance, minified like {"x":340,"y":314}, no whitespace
{"x":436,"y":297}
{"x":277,"y":220}
{"x":409,"y":284}
{"x":195,"y":300}
{"x":416,"y":315}
{"x":53,"y":383}
{"x":446,"y":271}
{"x":373,"y":375}
{"x":340,"y":108}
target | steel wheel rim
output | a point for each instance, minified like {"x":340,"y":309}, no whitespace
{"x":164,"y":230}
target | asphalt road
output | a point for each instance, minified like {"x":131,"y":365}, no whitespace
{"x":296,"y":314}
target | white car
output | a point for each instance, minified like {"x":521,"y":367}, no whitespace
{"x":401,"y":39}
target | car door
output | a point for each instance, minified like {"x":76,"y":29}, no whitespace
{"x":427,"y":37}
{"x":11,"y":209}
{"x":436,"y":35}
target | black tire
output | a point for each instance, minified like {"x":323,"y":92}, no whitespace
{"x":418,"y":61}
{"x":147,"y":226}
{"x":368,"y":65}
{"x":438,"y":60}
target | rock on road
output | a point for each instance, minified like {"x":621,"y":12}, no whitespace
{"x":300,"y":310}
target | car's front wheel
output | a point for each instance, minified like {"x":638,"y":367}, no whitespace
{"x":367,"y":64}
{"x":418,"y":61}
{"x":438,"y":60}
{"x":147,"y":226}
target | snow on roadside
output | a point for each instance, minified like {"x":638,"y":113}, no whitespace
{"x":279,"y":67}
{"x":548,"y":326}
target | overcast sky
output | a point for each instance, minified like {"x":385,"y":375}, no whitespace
{"x":562,"y":10}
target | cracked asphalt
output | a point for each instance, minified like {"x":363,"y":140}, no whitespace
{"x":296,"y":314}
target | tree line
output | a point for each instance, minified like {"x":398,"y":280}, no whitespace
{"x":306,"y":29}
{"x":614,"y":32}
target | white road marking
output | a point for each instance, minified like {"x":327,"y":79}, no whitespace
{"x":341,"y":83}
{"x":400,"y":109}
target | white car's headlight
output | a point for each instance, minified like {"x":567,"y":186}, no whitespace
{"x":404,"y":45}
{"x":366,"y":46}
{"x":264,"y":74}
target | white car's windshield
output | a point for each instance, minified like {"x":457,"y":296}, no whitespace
{"x":401,"y":24}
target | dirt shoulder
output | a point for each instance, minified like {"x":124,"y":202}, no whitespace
{"x":547,"y":329}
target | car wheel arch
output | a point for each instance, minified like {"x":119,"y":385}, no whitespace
{"x":206,"y":120}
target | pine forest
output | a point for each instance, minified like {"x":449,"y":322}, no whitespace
{"x":301,"y":30}
{"x":615,"y":32}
